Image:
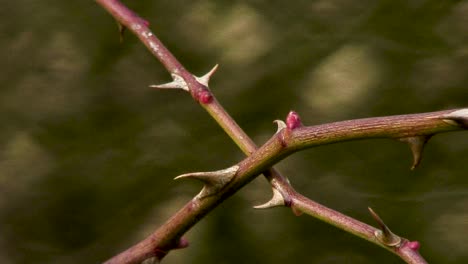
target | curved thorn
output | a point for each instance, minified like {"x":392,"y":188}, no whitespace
{"x":416,"y":145}
{"x":276,"y":200}
{"x":385,"y":235}
{"x":459,"y":117}
{"x":210,"y":176}
{"x":281,"y":125}
{"x":205,"y":79}
{"x":213,"y":180}
{"x":177,"y":83}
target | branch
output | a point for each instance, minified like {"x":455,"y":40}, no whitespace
{"x":167,"y":237}
{"x":288,"y":140}
{"x":292,"y":137}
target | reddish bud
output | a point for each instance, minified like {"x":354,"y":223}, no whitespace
{"x":183,"y":243}
{"x":414,"y":245}
{"x":205,"y":97}
{"x":145,"y":22}
{"x":296,"y":211}
{"x":293,"y":120}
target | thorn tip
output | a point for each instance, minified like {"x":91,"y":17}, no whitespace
{"x":416,"y":145}
{"x":276,"y":200}
{"x":385,"y":235}
{"x":177,"y":83}
{"x":213,"y":180}
{"x":281,"y":125}
{"x":205,"y":79}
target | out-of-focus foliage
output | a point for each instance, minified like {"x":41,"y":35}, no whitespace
{"x":88,"y":151}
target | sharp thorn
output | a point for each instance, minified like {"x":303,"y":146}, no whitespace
{"x":169,"y":85}
{"x":377,"y":218}
{"x":177,"y":83}
{"x":384,"y":235}
{"x":416,"y":145}
{"x":281,"y":125}
{"x":211,"y":176}
{"x":122,"y":30}
{"x":213,"y":180}
{"x":276,"y":200}
{"x":205,"y":79}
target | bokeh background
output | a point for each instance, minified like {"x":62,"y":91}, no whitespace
{"x":88,"y":152}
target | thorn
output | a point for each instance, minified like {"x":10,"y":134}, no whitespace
{"x":293,"y":120}
{"x":416,"y":145}
{"x":459,"y":118}
{"x":213,"y":180}
{"x":281,"y":125}
{"x":385,"y":236}
{"x":205,"y":79}
{"x":177,"y":83}
{"x":276,"y":200}
{"x":122,"y":30}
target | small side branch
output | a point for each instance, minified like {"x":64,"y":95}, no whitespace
{"x":288,"y":141}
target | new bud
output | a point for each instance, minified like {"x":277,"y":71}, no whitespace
{"x":293,"y":120}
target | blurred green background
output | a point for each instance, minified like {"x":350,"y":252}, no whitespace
{"x":88,"y":152}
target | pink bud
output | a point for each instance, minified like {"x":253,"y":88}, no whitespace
{"x":205,"y":97}
{"x":146,"y":23}
{"x":293,"y":120}
{"x":183,"y":243}
{"x":414,"y":245}
{"x":296,"y":211}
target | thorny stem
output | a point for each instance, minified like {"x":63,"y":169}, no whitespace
{"x":168,"y":236}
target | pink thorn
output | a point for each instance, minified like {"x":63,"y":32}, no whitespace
{"x":205,"y":97}
{"x":414,"y":245}
{"x":146,"y":23}
{"x":293,"y":120}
